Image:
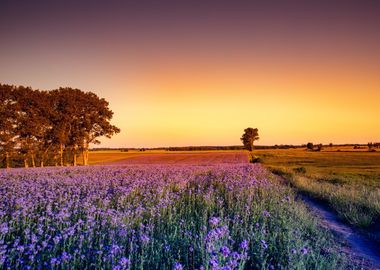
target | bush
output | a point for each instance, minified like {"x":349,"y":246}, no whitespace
{"x":300,"y":170}
{"x":310,"y":146}
{"x":255,"y":159}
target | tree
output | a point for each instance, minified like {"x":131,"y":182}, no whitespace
{"x":33,"y":124}
{"x":80,"y":119}
{"x":370,"y":145}
{"x":8,"y":121}
{"x":94,"y":123}
{"x":319,"y":147}
{"x":50,"y":126}
{"x":310,"y":146}
{"x":249,"y":137}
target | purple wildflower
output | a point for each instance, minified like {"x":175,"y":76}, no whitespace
{"x":214,"y":263}
{"x":244,"y":244}
{"x":124,"y":261}
{"x":214,"y":221}
{"x":178,"y":266}
{"x":144,"y":238}
{"x":225,"y":251}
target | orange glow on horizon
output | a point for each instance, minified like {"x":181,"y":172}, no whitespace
{"x":179,"y":75}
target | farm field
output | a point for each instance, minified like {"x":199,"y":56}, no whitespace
{"x":173,"y":216}
{"x":349,"y":182}
{"x":164,"y":157}
{"x":361,"y":167}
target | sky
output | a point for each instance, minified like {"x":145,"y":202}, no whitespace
{"x":179,"y":73}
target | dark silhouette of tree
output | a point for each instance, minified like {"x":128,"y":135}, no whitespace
{"x":319,"y":147}
{"x":370,"y":145}
{"x":249,"y":137}
{"x":310,"y":146}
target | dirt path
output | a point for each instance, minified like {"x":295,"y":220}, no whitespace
{"x":358,"y":245}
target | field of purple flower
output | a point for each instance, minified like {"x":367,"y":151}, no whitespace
{"x":157,"y":217}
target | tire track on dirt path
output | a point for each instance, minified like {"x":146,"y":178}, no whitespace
{"x":359,"y":245}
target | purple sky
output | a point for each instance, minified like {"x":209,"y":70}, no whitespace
{"x":188,"y":61}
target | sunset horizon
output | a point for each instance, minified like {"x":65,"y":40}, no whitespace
{"x":180,"y":74}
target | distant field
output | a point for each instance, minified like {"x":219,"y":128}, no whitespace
{"x":164,"y":157}
{"x":361,"y":167}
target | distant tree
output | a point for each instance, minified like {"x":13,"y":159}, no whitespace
{"x":331,"y":145}
{"x":319,"y":147}
{"x":249,"y":137}
{"x":370,"y":145}
{"x":310,"y":146}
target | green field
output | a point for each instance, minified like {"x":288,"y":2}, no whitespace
{"x":348,"y":181}
{"x":346,"y":167}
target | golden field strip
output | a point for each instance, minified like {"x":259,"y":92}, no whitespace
{"x":165,"y":157}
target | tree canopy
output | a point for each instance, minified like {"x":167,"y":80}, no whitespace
{"x":50,"y":127}
{"x":249,"y":137}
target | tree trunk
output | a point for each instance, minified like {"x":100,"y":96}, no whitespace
{"x":75,"y":159}
{"x":33,"y":161}
{"x":7,"y":160}
{"x":55,"y":160}
{"x":42,"y":163}
{"x":75,"y":155}
{"x":61,"y":153}
{"x":85,"y":153}
{"x":26,"y":165}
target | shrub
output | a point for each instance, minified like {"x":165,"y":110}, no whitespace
{"x":300,"y":170}
{"x":255,"y":159}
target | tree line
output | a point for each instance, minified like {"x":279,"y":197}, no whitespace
{"x":39,"y":128}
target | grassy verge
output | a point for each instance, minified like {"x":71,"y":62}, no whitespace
{"x":348,"y":182}
{"x":357,"y":204}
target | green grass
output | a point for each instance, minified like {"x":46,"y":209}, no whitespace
{"x":349,"y":182}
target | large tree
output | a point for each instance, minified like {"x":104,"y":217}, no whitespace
{"x":81,"y":118}
{"x":65,"y":104}
{"x":50,"y":127}
{"x":249,"y":137}
{"x":94,"y":123}
{"x":33,"y":124}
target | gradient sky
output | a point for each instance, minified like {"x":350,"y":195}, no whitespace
{"x":198,"y":72}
